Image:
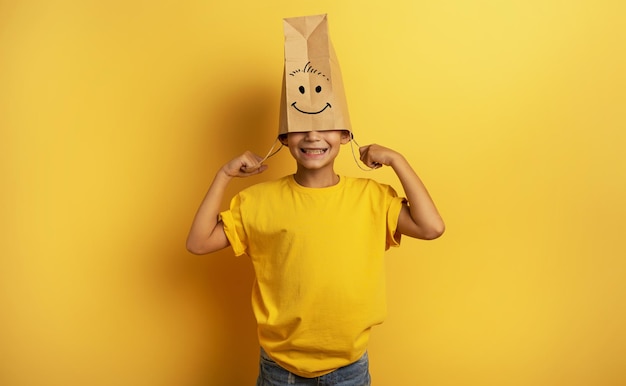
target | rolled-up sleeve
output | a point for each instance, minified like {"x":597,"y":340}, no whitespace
{"x":393,"y":213}
{"x":233,"y":227}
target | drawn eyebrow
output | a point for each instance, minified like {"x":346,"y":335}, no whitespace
{"x":309,"y":68}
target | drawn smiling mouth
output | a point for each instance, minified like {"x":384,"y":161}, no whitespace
{"x":308,"y":112}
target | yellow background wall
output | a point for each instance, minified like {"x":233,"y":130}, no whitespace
{"x":115,"y":115}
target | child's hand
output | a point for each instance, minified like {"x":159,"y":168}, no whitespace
{"x":376,"y":156}
{"x":245,"y":165}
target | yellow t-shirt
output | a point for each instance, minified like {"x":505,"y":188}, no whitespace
{"x":318,"y":260}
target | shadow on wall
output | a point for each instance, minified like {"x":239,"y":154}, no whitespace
{"x":221,"y":282}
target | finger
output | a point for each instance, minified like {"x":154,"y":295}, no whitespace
{"x":250,"y":161}
{"x":252,"y":171}
{"x":365,"y":156}
{"x":248,"y":169}
{"x":250,"y":158}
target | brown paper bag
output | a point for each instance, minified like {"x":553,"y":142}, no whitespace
{"x":313,"y":97}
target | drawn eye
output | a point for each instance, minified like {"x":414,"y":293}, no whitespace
{"x":301,"y":88}
{"x":318,"y":89}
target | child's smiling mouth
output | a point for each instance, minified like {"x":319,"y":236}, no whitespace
{"x":313,"y":151}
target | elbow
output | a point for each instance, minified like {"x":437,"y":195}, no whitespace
{"x":434,"y":231}
{"x":196,"y":248}
{"x":203,"y":247}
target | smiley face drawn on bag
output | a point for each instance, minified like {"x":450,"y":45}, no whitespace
{"x":312,"y":92}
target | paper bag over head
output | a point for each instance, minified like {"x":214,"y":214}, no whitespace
{"x":313,"y":97}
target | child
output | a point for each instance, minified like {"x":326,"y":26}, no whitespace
{"x":316,"y":241}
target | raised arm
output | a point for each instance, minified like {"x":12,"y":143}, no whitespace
{"x":207,"y":232}
{"x":420,"y":218}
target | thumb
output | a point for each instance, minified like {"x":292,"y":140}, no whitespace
{"x":255,"y":169}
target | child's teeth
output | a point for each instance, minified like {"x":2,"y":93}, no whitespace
{"x":318,"y":151}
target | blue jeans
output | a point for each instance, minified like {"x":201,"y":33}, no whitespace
{"x":355,"y":374}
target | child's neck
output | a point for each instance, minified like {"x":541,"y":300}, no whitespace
{"x":316,"y":178}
